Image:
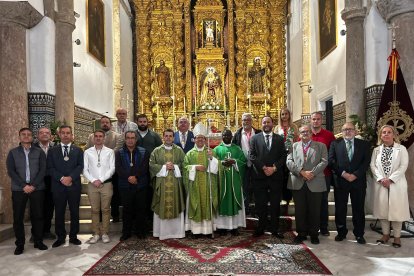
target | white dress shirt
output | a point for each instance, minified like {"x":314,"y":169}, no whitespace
{"x":106,"y":158}
{"x":245,"y":145}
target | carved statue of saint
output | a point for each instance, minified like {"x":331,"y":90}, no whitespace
{"x":163,"y":79}
{"x":211,"y":90}
{"x":209,"y":32}
{"x":256,"y":74}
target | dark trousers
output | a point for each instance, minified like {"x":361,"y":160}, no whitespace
{"x":247,"y":188}
{"x":19,"y":200}
{"x":267,"y":190}
{"x":49,"y":206}
{"x":357,"y":193}
{"x":134,"y":210}
{"x":324,"y":203}
{"x":116,"y":200}
{"x":307,"y":211}
{"x":61,"y":199}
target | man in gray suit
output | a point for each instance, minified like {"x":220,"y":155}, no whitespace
{"x":306,"y":164}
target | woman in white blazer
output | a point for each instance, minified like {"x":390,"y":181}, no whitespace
{"x":389,"y":162}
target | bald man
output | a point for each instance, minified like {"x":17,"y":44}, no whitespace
{"x":123,"y":125}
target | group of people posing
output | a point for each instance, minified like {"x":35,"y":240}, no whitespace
{"x":182,"y":185}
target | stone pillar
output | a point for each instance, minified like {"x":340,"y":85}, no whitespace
{"x":116,"y":54}
{"x":15,"y":18}
{"x":354,"y":16}
{"x":306,"y":58}
{"x":188,"y":58}
{"x":64,"y":100}
{"x":401,"y":14}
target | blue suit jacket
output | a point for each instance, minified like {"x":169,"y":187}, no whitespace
{"x":189,"y":143}
{"x":57,"y":167}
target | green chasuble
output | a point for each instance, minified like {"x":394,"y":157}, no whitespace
{"x":231,"y":180}
{"x":198,"y":190}
{"x":168,"y":198}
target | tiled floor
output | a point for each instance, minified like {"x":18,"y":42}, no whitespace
{"x":341,"y":258}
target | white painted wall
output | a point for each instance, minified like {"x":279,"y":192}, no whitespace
{"x":93,"y":81}
{"x":294,"y":55}
{"x":328,"y":74}
{"x":41,"y":57}
{"x":378,"y":47}
{"x":126,"y":62}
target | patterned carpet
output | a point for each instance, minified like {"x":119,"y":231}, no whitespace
{"x":223,"y":255}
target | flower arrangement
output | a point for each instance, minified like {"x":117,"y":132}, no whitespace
{"x":364,"y":131}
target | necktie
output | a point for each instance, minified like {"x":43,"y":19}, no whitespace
{"x":268,"y":141}
{"x":183,"y":140}
{"x":349,"y":149}
{"x":65,"y":151}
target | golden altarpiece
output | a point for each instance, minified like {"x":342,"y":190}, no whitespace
{"x":210,"y":59}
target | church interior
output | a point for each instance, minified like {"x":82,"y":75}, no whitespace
{"x":73,"y":61}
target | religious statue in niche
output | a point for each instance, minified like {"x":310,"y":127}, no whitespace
{"x":210,"y":89}
{"x":163,"y":79}
{"x":256,"y":74}
{"x":209,"y":32}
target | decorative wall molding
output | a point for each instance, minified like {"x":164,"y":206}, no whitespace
{"x":339,"y":117}
{"x":372,"y":101}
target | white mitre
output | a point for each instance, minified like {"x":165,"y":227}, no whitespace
{"x":200,"y":130}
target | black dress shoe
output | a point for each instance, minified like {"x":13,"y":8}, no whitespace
{"x":19,"y":250}
{"x":258,"y":233}
{"x":299,"y":239}
{"x":40,"y":246}
{"x":278,"y":235}
{"x":75,"y":241}
{"x":314,"y":240}
{"x":340,"y":237}
{"x":324,"y":232}
{"x":235,"y":232}
{"x":124,"y":237}
{"x":361,"y":240}
{"x":58,"y":243}
{"x":141,"y":236}
{"x":394,"y":244}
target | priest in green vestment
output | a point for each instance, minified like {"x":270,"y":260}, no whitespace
{"x":232,"y":163}
{"x":200,"y":177}
{"x":168,"y":201}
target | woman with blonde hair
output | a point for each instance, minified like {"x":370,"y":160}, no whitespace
{"x":289,"y":131}
{"x":389,"y":162}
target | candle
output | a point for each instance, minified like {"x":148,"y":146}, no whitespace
{"x":184,"y":106}
{"x":228,"y":120}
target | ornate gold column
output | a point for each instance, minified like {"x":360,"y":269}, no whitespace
{"x":64,"y":100}
{"x":277,"y":62}
{"x":188,"y":59}
{"x":241,"y":62}
{"x":306,"y":57}
{"x":179,"y":69}
{"x":231,"y":65}
{"x":143,"y":56}
{"x":116,"y":54}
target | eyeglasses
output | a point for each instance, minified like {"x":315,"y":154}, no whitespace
{"x":304,"y":132}
{"x":348,"y":129}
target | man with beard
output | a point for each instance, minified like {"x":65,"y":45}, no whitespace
{"x":168,"y":201}
{"x":231,"y":171}
{"x":184,"y":138}
{"x":242,"y":139}
{"x":113,"y":141}
{"x":149,"y":140}
{"x":123,"y":125}
{"x":324,"y":136}
{"x":268,"y":155}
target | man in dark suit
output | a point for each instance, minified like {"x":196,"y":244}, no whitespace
{"x":349,"y":158}
{"x":184,"y":138}
{"x":242,"y":139}
{"x":43,"y":142}
{"x":65,"y":164}
{"x":268,"y":155}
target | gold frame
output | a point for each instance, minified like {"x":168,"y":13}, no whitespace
{"x":90,"y":40}
{"x":328,"y":37}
